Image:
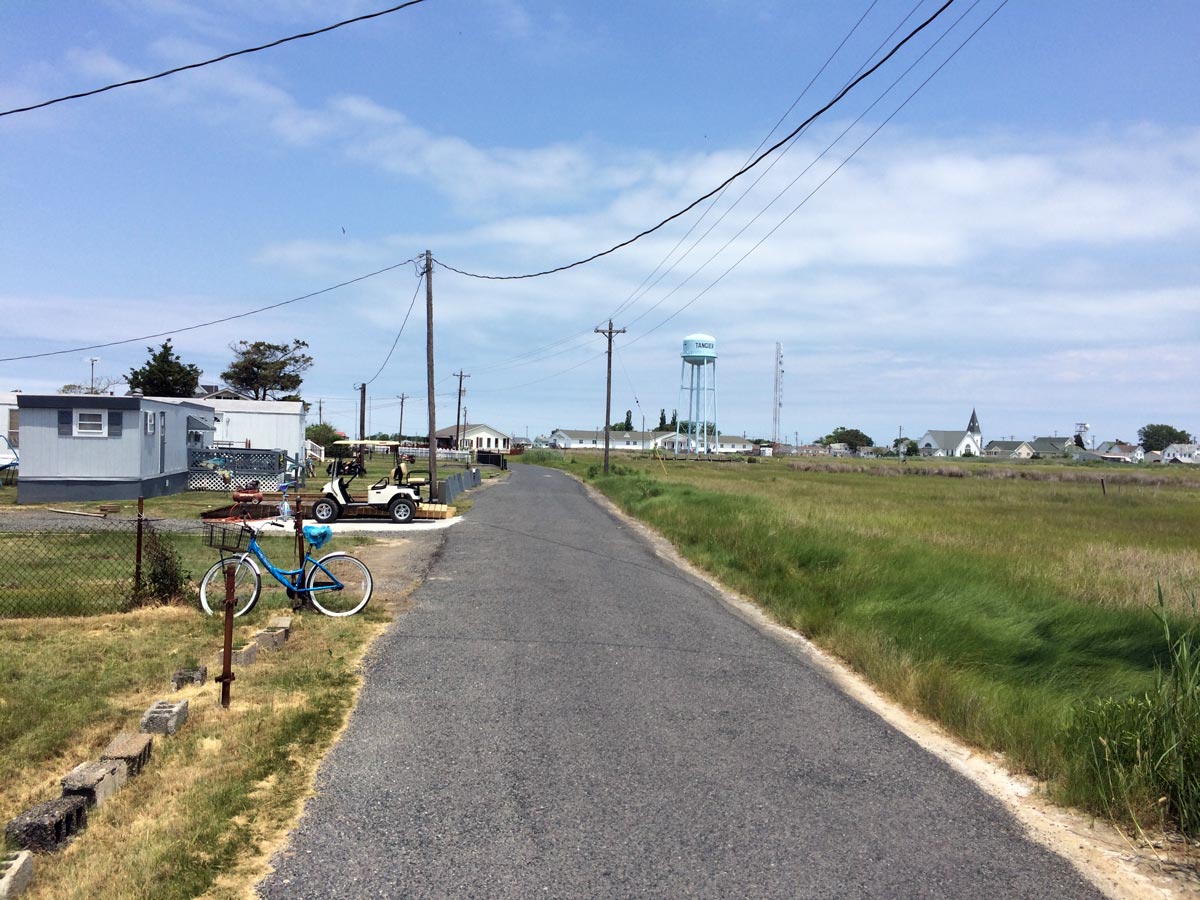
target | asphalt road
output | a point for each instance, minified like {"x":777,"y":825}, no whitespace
{"x":563,"y":714}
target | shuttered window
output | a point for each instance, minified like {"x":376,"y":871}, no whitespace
{"x":100,"y":423}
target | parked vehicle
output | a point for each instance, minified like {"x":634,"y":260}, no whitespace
{"x":391,"y":494}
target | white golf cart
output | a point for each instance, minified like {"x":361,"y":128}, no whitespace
{"x":392,"y":494}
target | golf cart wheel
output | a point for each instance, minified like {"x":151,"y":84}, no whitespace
{"x":402,"y":511}
{"x":325,"y":511}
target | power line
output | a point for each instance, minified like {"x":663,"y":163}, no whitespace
{"x":742,"y":171}
{"x":420,"y":280}
{"x":209,"y":62}
{"x":837,"y":169}
{"x":252,"y":312}
{"x":642,"y":289}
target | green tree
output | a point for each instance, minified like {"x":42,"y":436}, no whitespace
{"x":165,"y":374}
{"x":851,"y":437}
{"x":908,"y":445}
{"x":268,"y":371}
{"x":322,"y":433}
{"x":626,"y":425}
{"x":662,"y":420}
{"x":1159,"y":437}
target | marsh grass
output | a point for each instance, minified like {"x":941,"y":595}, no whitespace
{"x":1138,"y":757}
{"x":996,"y":606}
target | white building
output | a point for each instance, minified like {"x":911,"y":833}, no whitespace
{"x":1182,"y":453}
{"x":644,"y":441}
{"x":954,"y":443}
{"x":475,"y":437}
{"x":260,"y":424}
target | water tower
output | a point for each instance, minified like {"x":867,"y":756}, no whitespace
{"x":698,"y":377}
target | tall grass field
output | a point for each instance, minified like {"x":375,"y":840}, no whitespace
{"x":1047,"y":617}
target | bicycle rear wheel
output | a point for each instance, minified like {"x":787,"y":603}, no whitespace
{"x":339,"y":584}
{"x":246,"y":586}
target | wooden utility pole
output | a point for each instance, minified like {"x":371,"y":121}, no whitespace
{"x":608,"y":332}
{"x":362,"y":411}
{"x":458,"y":417}
{"x":400,"y":433}
{"x":433,"y":479}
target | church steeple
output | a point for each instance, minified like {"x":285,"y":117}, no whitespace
{"x":973,"y":425}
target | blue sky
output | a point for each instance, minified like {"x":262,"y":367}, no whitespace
{"x":1021,"y":238}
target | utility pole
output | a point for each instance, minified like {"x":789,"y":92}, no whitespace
{"x":608,"y":332}
{"x":321,"y":410}
{"x":362,"y":411}
{"x":458,"y":416}
{"x":400,"y":434}
{"x":778,"y":405}
{"x":93,"y":360}
{"x":433,"y":482}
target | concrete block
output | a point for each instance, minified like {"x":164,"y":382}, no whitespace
{"x":181,"y":677}
{"x":271,"y":639}
{"x":95,"y":782}
{"x":16,"y":871}
{"x":47,"y":826}
{"x":134,"y":749}
{"x":247,"y":656}
{"x":281,"y":623}
{"x":164,"y":717}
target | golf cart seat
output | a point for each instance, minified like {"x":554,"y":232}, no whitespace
{"x":401,"y":477}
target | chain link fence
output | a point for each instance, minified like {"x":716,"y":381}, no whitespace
{"x":88,"y":567}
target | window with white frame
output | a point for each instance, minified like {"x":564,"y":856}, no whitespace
{"x":150,"y":420}
{"x":91,"y":423}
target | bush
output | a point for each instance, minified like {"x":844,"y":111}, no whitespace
{"x":164,"y":580}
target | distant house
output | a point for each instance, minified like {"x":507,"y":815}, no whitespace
{"x":812,"y":450}
{"x":953,"y":443}
{"x":1008,"y":450}
{"x":81,"y":447}
{"x":1051,"y":446}
{"x":1114,"y":451}
{"x":1181,"y":453}
{"x":474,"y":437}
{"x":219,"y":392}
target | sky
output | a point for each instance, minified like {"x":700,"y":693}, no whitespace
{"x":1003,"y":217}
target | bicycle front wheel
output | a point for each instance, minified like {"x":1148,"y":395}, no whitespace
{"x":339,"y":584}
{"x":246,"y":585}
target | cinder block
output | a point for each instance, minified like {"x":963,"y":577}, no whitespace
{"x":181,"y":677}
{"x":280,"y":623}
{"x":95,"y":782}
{"x":48,"y":826}
{"x":271,"y":638}
{"x":165,"y":717}
{"x":16,"y":871}
{"x":247,"y":656}
{"x":134,"y":749}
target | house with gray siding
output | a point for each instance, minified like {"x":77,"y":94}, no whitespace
{"x":83,"y":447}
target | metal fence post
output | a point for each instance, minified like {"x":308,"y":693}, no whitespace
{"x":137,"y":565}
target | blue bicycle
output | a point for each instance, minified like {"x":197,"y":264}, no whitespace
{"x":337,"y":584}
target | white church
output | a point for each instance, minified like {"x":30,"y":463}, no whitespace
{"x":954,"y":443}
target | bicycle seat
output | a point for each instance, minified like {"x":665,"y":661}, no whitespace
{"x":318,"y":535}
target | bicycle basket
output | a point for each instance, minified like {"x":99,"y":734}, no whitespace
{"x":223,"y":537}
{"x":318,"y":535}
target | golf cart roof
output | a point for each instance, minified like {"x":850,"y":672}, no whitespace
{"x":358,"y":443}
